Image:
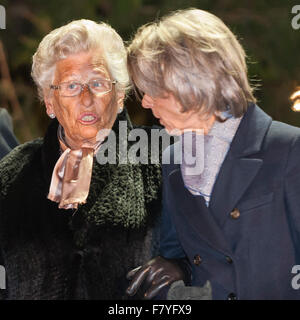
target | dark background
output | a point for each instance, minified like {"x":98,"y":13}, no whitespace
{"x":263,"y":27}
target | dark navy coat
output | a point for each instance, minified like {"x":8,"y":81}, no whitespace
{"x":7,"y":139}
{"x":248,"y":239}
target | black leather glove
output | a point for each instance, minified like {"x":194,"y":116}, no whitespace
{"x":157,"y":274}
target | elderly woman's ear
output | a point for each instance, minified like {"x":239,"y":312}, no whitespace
{"x":49,"y":107}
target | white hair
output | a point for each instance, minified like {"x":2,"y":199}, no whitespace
{"x":80,"y":36}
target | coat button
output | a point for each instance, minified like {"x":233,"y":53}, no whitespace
{"x":197,"y":260}
{"x":231,"y":296}
{"x":228,"y":259}
{"x":235,"y":213}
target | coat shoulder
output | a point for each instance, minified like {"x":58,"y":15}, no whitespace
{"x":283,"y":131}
{"x":5,"y":121}
{"x":281,"y":139}
{"x":15,"y":162}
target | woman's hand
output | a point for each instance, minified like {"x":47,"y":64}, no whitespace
{"x":156,"y":274}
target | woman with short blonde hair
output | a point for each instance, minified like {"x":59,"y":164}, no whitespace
{"x":194,"y":55}
{"x":234,"y":226}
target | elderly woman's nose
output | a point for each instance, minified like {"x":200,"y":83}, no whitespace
{"x":86,"y":96}
{"x":147,"y":102}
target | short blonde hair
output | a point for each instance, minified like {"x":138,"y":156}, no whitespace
{"x":193,"y":55}
{"x":78,"y":36}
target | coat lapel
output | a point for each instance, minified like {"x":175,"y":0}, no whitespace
{"x":195,"y":213}
{"x":240,"y":165}
{"x":233,"y":180}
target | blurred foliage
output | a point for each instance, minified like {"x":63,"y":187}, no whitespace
{"x":262,"y":26}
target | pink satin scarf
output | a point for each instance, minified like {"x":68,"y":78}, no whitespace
{"x":71,"y":177}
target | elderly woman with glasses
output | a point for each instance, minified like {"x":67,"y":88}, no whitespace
{"x":70,"y":227}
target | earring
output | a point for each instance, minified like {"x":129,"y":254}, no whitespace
{"x":120,"y":110}
{"x":52,"y":115}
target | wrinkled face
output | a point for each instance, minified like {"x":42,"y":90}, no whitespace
{"x":83,"y":115}
{"x":168,"y":111}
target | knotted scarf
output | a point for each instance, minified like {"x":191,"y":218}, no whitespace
{"x":71,"y":177}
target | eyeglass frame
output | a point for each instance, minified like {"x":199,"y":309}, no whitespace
{"x":83,"y":85}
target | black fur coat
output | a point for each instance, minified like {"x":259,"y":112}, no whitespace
{"x":52,"y":253}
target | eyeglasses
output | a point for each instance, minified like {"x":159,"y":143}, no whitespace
{"x":73,"y":88}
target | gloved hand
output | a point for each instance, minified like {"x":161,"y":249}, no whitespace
{"x":155,"y":275}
